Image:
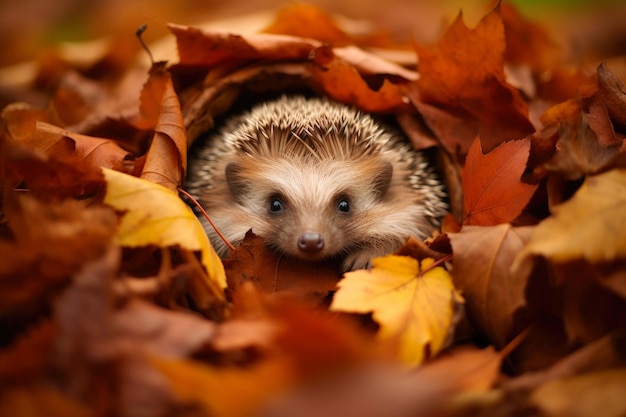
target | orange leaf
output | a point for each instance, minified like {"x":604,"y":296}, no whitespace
{"x":466,"y":70}
{"x":205,"y":48}
{"x":166,"y":160}
{"x":307,"y":21}
{"x":99,"y":152}
{"x":492,"y":186}
{"x":342,"y":82}
{"x":528,"y":43}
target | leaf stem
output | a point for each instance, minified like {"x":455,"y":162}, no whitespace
{"x":206,"y":216}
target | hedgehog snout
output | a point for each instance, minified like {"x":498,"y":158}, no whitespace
{"x":311,"y":242}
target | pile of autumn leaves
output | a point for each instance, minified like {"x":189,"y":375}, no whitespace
{"x":113,"y":303}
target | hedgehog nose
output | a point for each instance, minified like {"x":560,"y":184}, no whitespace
{"x":310,"y":242}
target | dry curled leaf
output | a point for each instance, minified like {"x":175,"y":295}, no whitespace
{"x":153,"y":215}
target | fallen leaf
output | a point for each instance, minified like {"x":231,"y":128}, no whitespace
{"x":613,"y":93}
{"x":307,"y":21}
{"x":527,"y":42}
{"x":590,"y":310}
{"x":492,"y":187}
{"x":482,"y":272}
{"x":156,"y":216}
{"x":39,"y":400}
{"x":466,"y":70}
{"x":587,"y":226}
{"x":602,"y":354}
{"x":413,"y":303}
{"x":579,"y":152}
{"x":254,"y":261}
{"x":29,"y":356}
{"x":46,"y":177}
{"x":371,"y":391}
{"x":51,"y":242}
{"x":463,"y":368}
{"x":62,"y":144}
{"x":166,"y":159}
{"x":342,"y":82}
{"x":585,"y":395}
{"x":162,"y":332}
{"x":227,"y":392}
{"x":204,"y":48}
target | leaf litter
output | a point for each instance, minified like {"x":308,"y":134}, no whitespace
{"x":103,"y":313}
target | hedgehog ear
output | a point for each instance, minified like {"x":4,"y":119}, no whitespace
{"x":382,"y":180}
{"x":235,"y":181}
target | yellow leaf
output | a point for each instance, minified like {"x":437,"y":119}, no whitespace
{"x":156,"y":216}
{"x":413,"y":304}
{"x":591,"y":225}
{"x":225,"y":392}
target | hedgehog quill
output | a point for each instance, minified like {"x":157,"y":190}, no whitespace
{"x":315,"y":179}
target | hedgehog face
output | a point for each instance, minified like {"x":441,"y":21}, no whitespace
{"x":315,"y":179}
{"x":309,"y":209}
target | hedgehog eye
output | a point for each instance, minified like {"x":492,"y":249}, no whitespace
{"x":343,"y":205}
{"x":276,"y":205}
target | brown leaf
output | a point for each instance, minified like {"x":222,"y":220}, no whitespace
{"x":492,"y":186}
{"x":588,"y":141}
{"x":590,"y":311}
{"x":38,"y":400}
{"x":29,"y":356}
{"x":51,"y":242}
{"x":166,"y":160}
{"x":466,"y":71}
{"x":455,"y":129}
{"x":159,"y":331}
{"x":385,"y":390}
{"x":342,"y":82}
{"x":104,"y":153}
{"x":254,"y":261}
{"x":307,"y":21}
{"x":585,"y":395}
{"x":613,"y":94}
{"x":527,"y":42}
{"x":203,"y":48}
{"x":64,"y":145}
{"x":482,"y":271}
{"x":604,"y":353}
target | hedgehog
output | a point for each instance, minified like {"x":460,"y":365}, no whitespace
{"x":316,"y":179}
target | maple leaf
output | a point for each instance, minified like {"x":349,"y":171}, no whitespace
{"x":465,"y":71}
{"x":413,"y":302}
{"x":492,"y":187}
{"x":156,"y":216}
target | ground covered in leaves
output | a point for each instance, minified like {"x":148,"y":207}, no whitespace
{"x":113,"y":303}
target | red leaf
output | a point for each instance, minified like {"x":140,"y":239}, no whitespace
{"x":492,"y":188}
